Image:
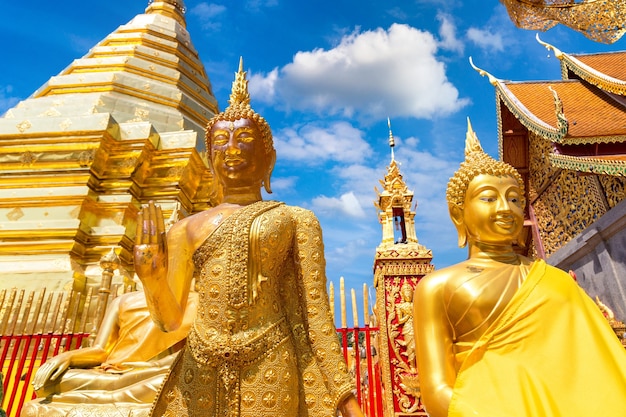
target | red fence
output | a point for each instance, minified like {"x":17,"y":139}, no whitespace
{"x":21,"y":355}
{"x":35,"y":327}
{"x":363,"y":364}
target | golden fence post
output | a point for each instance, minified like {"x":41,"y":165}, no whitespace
{"x":109,"y":263}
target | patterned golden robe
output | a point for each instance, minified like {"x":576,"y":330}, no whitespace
{"x":550,"y":353}
{"x":263,"y":343}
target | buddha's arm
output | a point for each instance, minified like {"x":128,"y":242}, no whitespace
{"x":165,"y":266}
{"x":435,"y":356}
{"x":312,"y":278}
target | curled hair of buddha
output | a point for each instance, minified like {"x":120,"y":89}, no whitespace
{"x":239,"y":108}
{"x":476,"y":162}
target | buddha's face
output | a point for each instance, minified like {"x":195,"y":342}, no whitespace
{"x":493,"y":210}
{"x":238,"y":153}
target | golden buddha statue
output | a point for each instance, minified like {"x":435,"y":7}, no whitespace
{"x":263,"y":343}
{"x":122,"y":370}
{"x":500,"y":334}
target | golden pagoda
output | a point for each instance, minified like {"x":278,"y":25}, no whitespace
{"x":567,"y":138}
{"x":399,"y":264}
{"x":118,"y":127}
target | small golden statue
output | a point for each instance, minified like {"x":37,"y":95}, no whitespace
{"x":499,"y":334}
{"x":263,"y":343}
{"x":123,"y":370}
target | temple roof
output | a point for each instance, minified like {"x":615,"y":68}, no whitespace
{"x":598,"y":120}
{"x":603,"y":70}
{"x":583,"y":115}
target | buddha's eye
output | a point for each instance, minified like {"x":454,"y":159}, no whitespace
{"x":245,"y":136}
{"x":514,"y":198}
{"x":219,"y":139}
{"x":487,"y":197}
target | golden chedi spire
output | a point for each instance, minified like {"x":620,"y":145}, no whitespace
{"x":120,"y":126}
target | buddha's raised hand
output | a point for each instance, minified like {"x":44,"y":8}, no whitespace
{"x":150,"y":249}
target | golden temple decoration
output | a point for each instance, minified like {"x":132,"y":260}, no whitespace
{"x":600,"y":20}
{"x":559,"y":222}
{"x":15,"y":214}
{"x":614,"y":189}
{"x":562,"y":123}
{"x":24,"y":126}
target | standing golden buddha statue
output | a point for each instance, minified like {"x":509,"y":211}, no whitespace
{"x":500,"y":334}
{"x":263,"y":343}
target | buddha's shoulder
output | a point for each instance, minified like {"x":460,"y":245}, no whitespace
{"x":296,"y":212}
{"x":440,"y":278}
{"x":455,"y":275}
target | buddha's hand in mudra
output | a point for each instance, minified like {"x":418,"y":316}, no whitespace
{"x":150,"y":249}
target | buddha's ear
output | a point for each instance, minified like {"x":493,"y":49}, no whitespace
{"x":456,"y":214}
{"x":270,"y":168}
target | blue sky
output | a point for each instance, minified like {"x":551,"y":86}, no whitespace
{"x":326,"y":75}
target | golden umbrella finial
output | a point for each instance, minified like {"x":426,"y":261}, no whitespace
{"x":178,"y":4}
{"x":392,"y":142}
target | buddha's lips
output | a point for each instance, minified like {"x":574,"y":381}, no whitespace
{"x":504,"y":221}
{"x":231,"y":162}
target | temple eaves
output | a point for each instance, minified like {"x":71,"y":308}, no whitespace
{"x":582,"y":66}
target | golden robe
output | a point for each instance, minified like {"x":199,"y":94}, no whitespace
{"x":263,"y":343}
{"x":550,"y":353}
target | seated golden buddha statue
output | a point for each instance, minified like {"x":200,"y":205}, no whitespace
{"x":122,"y":370}
{"x":500,"y":334}
{"x":263,"y":343}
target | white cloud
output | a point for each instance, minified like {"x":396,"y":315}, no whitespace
{"x":486,"y":39}
{"x":346,"y":203}
{"x":372,"y":74}
{"x":206,"y":12}
{"x":262,"y":86}
{"x":315,"y":145}
{"x":447,"y":32}
{"x":283,"y":183}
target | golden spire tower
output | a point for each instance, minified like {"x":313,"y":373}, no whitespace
{"x":399,"y":264}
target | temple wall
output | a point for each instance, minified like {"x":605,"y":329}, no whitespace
{"x":598,"y":256}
